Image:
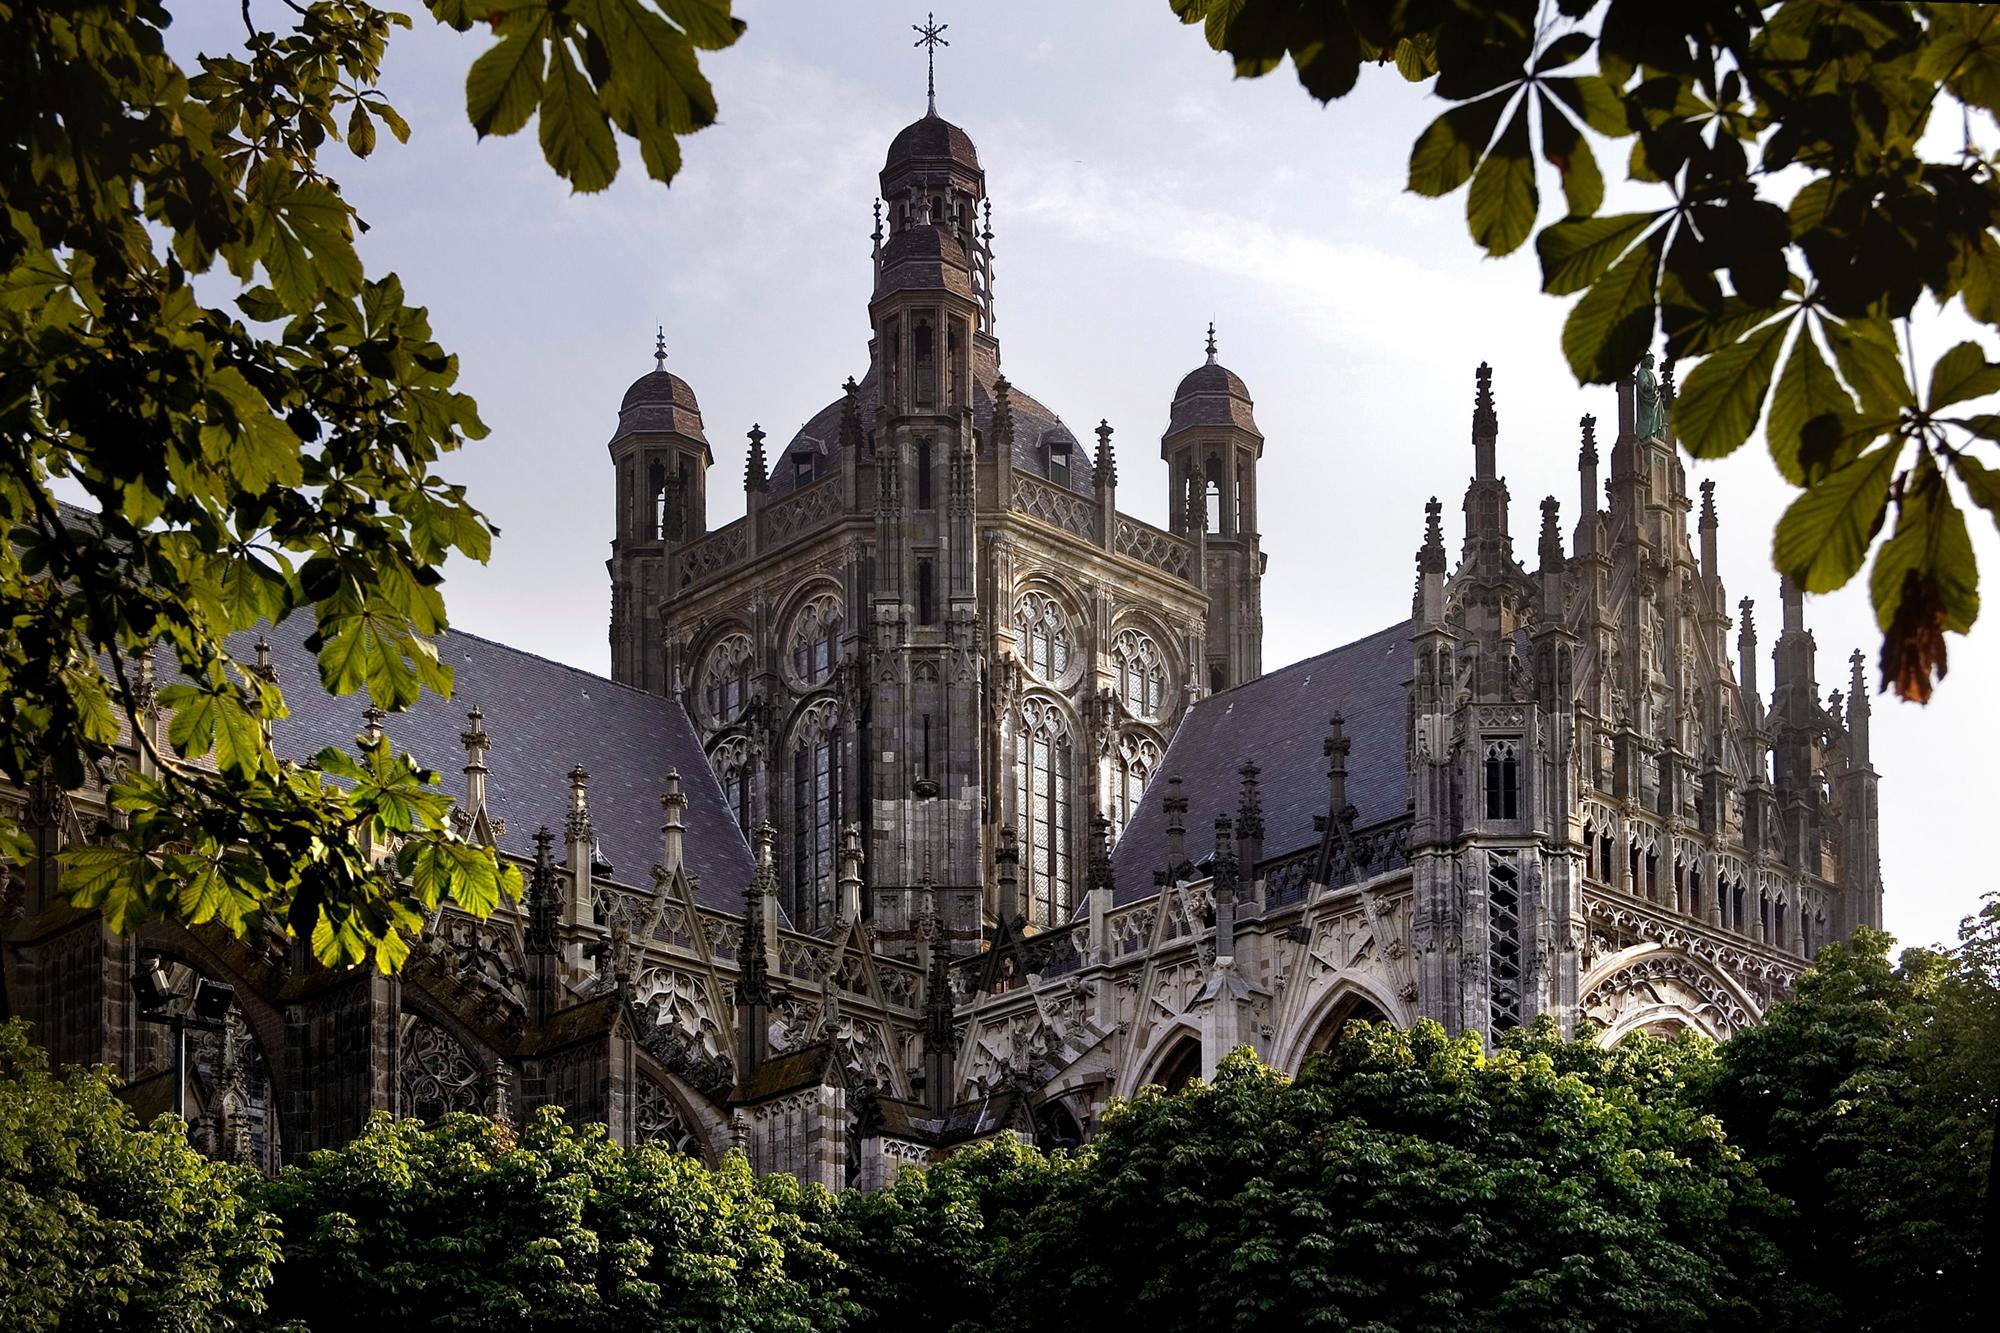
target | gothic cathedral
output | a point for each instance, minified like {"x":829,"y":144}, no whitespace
{"x":878,"y":840}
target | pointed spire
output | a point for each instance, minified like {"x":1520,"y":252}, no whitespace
{"x":753,"y":970}
{"x":660,"y":348}
{"x":1708,"y":505}
{"x":1250,"y":817}
{"x":1098,"y":875}
{"x":475,"y":740}
{"x":1107,"y":461}
{"x":1485,"y":422}
{"x":755,"y":476}
{"x":1858,"y":709}
{"x":1336,"y":748}
{"x":1211,"y":342}
{"x":1224,"y":889}
{"x":939,"y":1049}
{"x":673,"y":806}
{"x":850,"y":872}
{"x":1552,"y":542}
{"x":544,"y":907}
{"x":1431,"y":558}
{"x":371,"y":726}
{"x":852,"y":436}
{"x":1588,"y":452}
{"x":1746,"y":651}
{"x":577,"y":828}
{"x":1176,"y":807}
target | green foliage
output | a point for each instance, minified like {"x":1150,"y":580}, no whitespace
{"x":1869,"y":1101}
{"x":1410,"y":1181}
{"x":944,"y":1248}
{"x":274,"y":455}
{"x":1721,"y":100}
{"x":459,"y":1226}
{"x":103,"y":1224}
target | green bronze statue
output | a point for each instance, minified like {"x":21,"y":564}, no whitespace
{"x":1651,"y":422}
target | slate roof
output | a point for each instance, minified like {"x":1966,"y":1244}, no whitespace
{"x":923,"y":258}
{"x":1032,"y":423}
{"x":1280,"y":720}
{"x":1212,"y":395}
{"x":544,"y":719}
{"x":659,"y":400}
{"x":933,"y":137}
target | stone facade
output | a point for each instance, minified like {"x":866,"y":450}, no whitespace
{"x":967,"y":804}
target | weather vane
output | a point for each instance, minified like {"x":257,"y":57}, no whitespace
{"x":930,"y":35}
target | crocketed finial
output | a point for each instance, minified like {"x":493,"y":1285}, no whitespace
{"x":1431,"y":559}
{"x":1588,"y":424}
{"x":755,"y":475}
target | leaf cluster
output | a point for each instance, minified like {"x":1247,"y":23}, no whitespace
{"x":462,"y":1225}
{"x":104,"y":1224}
{"x":1802,"y":219}
{"x":272,"y":456}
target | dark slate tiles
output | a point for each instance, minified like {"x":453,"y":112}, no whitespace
{"x":1280,"y":720}
{"x":544,"y":718}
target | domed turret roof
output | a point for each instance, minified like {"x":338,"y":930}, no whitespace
{"x":932,"y":139}
{"x":660,"y":387}
{"x":659,"y":401}
{"x":1212,"y":395}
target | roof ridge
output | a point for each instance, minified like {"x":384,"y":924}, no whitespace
{"x":450,"y":630}
{"x":1273,"y":674}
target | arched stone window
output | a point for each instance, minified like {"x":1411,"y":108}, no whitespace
{"x":815,"y":815}
{"x":1043,"y":756}
{"x":1141,"y":673}
{"x":1046,"y":641}
{"x":725,"y":678}
{"x":1503,"y":781}
{"x":1131,"y":769}
{"x":735,"y":771}
{"x":815,"y":638}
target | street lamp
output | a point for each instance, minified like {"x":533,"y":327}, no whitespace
{"x":159,"y":1003}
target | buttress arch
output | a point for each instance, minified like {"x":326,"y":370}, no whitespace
{"x":1650,"y":987}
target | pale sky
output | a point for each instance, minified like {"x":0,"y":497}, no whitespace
{"x":1138,"y":192}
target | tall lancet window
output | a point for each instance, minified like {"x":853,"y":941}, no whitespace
{"x":1042,"y":789}
{"x":1503,"y":781}
{"x":815,"y":815}
{"x":1142,"y":673}
{"x":731,"y":762}
{"x":1132,"y":768}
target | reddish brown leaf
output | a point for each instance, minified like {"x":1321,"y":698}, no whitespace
{"x":1913,"y":651}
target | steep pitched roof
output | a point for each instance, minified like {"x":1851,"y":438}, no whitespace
{"x":1280,"y":721}
{"x":544,"y":718}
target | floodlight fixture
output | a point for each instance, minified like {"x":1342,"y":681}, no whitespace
{"x":150,"y":985}
{"x":212,"y":1000}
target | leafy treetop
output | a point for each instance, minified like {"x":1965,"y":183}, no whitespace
{"x":1804,"y":212}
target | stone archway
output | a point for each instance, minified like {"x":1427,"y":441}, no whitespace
{"x":1320,"y":1031}
{"x":1652,"y":988}
{"x":1178,"y":1062}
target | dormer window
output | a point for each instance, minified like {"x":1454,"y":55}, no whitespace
{"x":802,"y":468}
{"x":1059,"y":448}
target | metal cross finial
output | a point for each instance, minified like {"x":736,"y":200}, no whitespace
{"x":660,"y":349}
{"x":930,"y":35}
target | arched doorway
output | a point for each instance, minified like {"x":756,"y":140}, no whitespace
{"x":1178,"y":1064}
{"x":1349,"y":1008}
